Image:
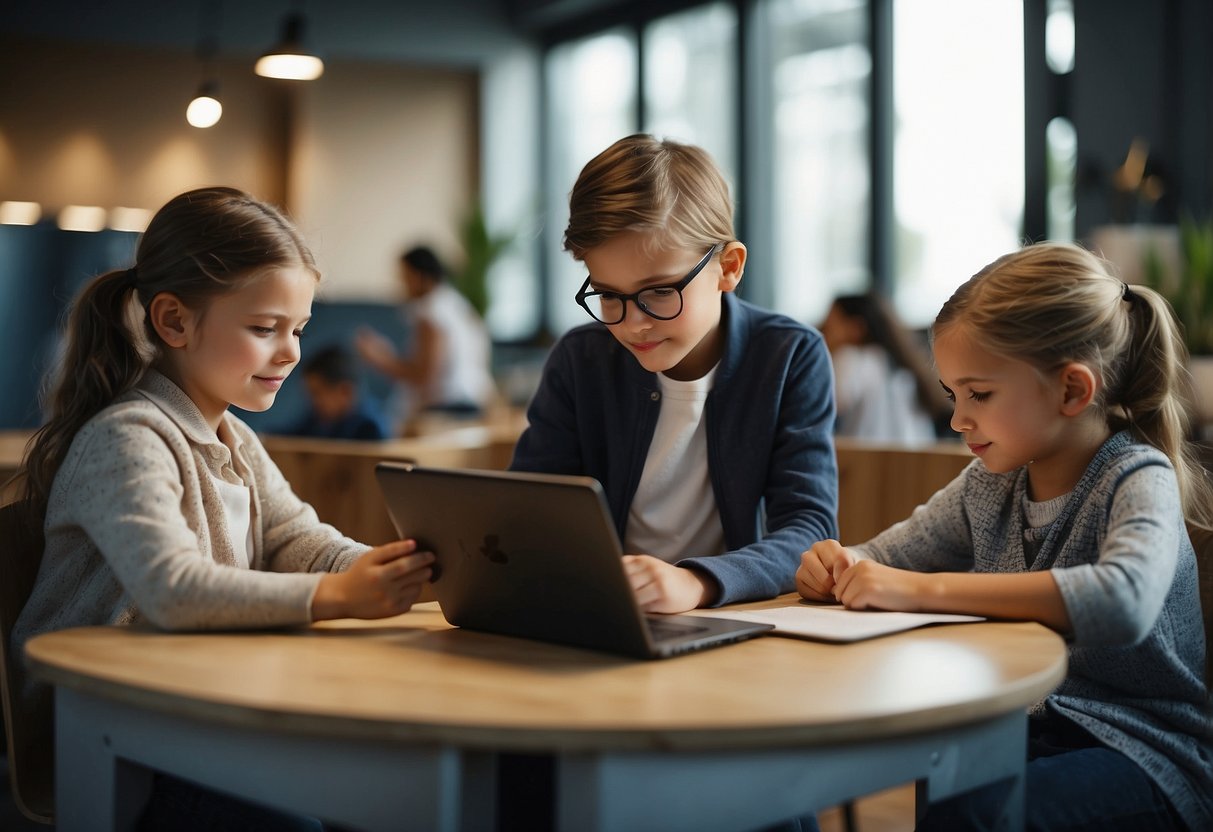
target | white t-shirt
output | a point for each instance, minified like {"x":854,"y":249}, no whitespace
{"x":877,"y":400}
{"x":237,"y":508}
{"x":464,"y":376}
{"x":674,"y":514}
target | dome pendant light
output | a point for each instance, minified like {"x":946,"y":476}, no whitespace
{"x":205,"y":110}
{"x":289,"y":59}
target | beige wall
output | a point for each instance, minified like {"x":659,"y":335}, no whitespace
{"x":383,"y":158}
{"x":106,"y":126}
{"x":368,"y":159}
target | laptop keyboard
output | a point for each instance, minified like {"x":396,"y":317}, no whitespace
{"x":662,"y":628}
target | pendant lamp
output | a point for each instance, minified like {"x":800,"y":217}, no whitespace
{"x":289,"y":59}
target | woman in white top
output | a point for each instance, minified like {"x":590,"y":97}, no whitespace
{"x":883,"y":389}
{"x":447,"y":367}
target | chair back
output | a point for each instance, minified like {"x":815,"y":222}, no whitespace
{"x":1202,"y":543}
{"x":30,"y":736}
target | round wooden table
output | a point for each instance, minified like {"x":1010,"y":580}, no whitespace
{"x":396,"y":724}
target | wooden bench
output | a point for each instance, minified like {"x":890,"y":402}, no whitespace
{"x":12,"y":451}
{"x":879,"y":485}
{"x":338,"y":476}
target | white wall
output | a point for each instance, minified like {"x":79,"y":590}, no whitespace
{"x":383,"y":157}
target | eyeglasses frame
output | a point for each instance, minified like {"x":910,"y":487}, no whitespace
{"x":582,"y":293}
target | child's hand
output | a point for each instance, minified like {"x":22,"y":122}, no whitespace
{"x":820,"y":569}
{"x":374,"y":348}
{"x":385,"y":581}
{"x":664,"y":587}
{"x":871,"y":585}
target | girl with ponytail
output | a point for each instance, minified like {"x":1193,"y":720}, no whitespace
{"x":1070,"y":388}
{"x":160,"y":506}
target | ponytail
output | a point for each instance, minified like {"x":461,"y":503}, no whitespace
{"x":1052,"y":303}
{"x":1155,"y":395}
{"x":199,"y":245}
{"x":101,"y":362}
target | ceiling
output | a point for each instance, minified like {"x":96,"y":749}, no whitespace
{"x":427,"y":31}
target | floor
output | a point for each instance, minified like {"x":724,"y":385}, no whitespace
{"x":888,"y":811}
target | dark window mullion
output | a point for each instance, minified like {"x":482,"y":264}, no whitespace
{"x":641,"y":70}
{"x":882,"y":240}
{"x":1040,"y":105}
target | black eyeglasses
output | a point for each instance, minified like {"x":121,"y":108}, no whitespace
{"x":661,"y":302}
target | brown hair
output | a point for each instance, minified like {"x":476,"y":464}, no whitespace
{"x":201,"y":244}
{"x":641,"y":183}
{"x":1052,"y":303}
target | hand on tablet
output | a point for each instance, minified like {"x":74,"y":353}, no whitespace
{"x":385,"y":581}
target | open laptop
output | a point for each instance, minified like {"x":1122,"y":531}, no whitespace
{"x":537,"y":556}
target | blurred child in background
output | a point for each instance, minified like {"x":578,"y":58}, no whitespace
{"x":339,"y":407}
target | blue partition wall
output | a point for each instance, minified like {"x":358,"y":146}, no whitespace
{"x":41,"y":270}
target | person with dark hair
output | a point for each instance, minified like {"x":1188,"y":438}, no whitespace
{"x":158,"y":505}
{"x":339,"y":410}
{"x":446,"y":368}
{"x":883,"y":388}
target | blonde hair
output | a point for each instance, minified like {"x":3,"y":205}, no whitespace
{"x":673,"y":191}
{"x":1050,"y":304}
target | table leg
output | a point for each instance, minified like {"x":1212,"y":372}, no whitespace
{"x":105,"y":751}
{"x":478,"y":804}
{"x":95,"y":789}
{"x":731,"y":790}
{"x":1001,"y":754}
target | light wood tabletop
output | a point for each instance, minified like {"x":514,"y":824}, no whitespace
{"x":415,"y":678}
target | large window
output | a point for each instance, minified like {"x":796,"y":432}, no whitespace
{"x":690,"y":80}
{"x":819,"y":75}
{"x":802,"y":157}
{"x":958,"y":170}
{"x":592,"y":89}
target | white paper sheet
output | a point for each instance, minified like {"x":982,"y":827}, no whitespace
{"x":829,"y":622}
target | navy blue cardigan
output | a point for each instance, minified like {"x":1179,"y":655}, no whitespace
{"x":770,"y":418}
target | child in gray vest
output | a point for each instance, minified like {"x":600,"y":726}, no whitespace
{"x":1068,"y":387}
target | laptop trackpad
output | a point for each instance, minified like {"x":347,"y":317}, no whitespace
{"x":662,"y":628}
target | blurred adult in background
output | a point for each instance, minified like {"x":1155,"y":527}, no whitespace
{"x":883,"y":385}
{"x":446,"y":366}
{"x":339,"y":407}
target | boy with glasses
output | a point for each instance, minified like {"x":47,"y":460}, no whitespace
{"x":707,"y":420}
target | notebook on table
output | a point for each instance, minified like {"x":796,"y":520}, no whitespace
{"x":833,"y":622}
{"x":536,"y":556}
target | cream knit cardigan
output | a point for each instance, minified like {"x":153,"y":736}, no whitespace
{"x":136,"y":531}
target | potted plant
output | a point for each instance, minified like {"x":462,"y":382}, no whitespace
{"x":481,"y":249}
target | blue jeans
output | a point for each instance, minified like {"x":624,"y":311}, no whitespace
{"x":1073,"y":783}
